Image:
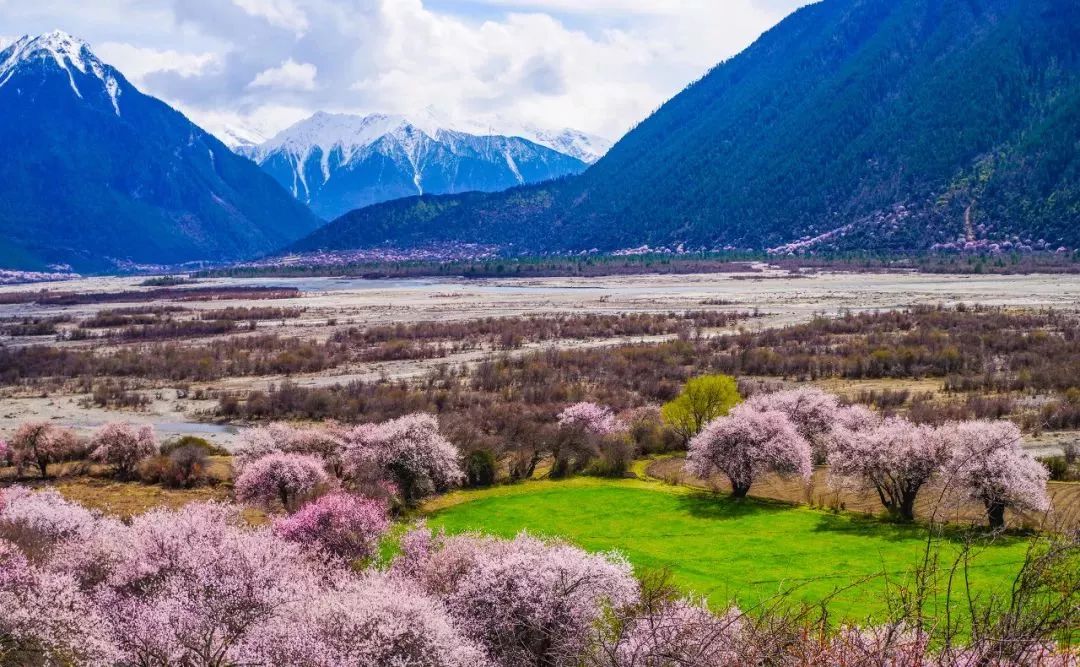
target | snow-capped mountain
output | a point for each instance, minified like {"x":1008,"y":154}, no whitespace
{"x":96,"y":174}
{"x":336,"y":163}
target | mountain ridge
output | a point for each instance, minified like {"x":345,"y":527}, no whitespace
{"x":339,"y":162}
{"x":97,"y":175}
{"x":851,"y":125}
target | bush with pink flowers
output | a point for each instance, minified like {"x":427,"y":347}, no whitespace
{"x":338,"y":525}
{"x":279,"y":479}
{"x":123,"y":446}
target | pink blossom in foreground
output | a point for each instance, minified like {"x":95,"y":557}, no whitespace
{"x":746,"y":444}
{"x":45,"y":618}
{"x":277,"y":478}
{"x":813,"y":412}
{"x":527,"y":601}
{"x":410,"y":451}
{"x":123,"y":446}
{"x":372,"y":620}
{"x":591,"y":418}
{"x":883,"y":646}
{"x":39,"y":521}
{"x":681,"y":632}
{"x":195,"y":584}
{"x":989,"y":465}
{"x":894,"y":459}
{"x":41,"y":444}
{"x":337,"y":525}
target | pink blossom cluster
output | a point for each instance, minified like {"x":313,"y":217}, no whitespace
{"x":337,"y":525}
{"x":198,"y":586}
{"x":408,"y":451}
{"x":680,"y":632}
{"x":407,"y":456}
{"x":894,"y":457}
{"x":326,"y":443}
{"x":988,"y":463}
{"x":281,"y":479}
{"x":526,"y":601}
{"x":5,"y":452}
{"x":748,"y":443}
{"x":591,"y":418}
{"x":123,"y":446}
{"x":41,"y":444}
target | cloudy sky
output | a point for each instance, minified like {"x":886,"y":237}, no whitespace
{"x":595,"y":65}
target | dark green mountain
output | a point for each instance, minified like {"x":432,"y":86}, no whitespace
{"x":95,"y":175}
{"x":863,"y":124}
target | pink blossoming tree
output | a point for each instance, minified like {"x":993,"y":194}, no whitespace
{"x":5,"y":452}
{"x":746,"y":444}
{"x":41,"y":444}
{"x":813,"y":412}
{"x":278,"y":478}
{"x":526,"y":601}
{"x":894,"y":459}
{"x":338,"y":526}
{"x":989,"y":465}
{"x":591,"y":418}
{"x":45,"y":618}
{"x":409,"y":451}
{"x":326,"y":443}
{"x":123,"y":446}
{"x":372,"y":620}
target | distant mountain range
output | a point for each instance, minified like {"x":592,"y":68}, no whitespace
{"x":336,"y":163}
{"x":898,"y":125}
{"x":96,"y":175}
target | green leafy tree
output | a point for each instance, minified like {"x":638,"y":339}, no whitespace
{"x":702,"y":400}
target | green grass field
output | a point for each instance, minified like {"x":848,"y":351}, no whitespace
{"x":744,"y":552}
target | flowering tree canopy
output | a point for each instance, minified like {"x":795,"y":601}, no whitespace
{"x":41,"y":444}
{"x":325,"y":443}
{"x":678,"y":632}
{"x":746,"y":444}
{"x":337,"y":525}
{"x":281,"y":478}
{"x":45,"y":618}
{"x":895,"y":459}
{"x":526,"y":601}
{"x":813,"y":412}
{"x":39,"y":521}
{"x":591,"y":418}
{"x":123,"y":446}
{"x":375,"y":620}
{"x":989,"y":465}
{"x":410,"y":451}
{"x":5,"y":452}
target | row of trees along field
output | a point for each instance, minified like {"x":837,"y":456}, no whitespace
{"x":202,"y":586}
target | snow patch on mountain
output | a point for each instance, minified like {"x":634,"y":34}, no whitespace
{"x":67,"y":52}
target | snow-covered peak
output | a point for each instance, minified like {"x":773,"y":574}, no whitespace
{"x":586,"y":147}
{"x":351,"y":133}
{"x":68,"y":53}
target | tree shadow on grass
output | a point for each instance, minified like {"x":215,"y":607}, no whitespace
{"x":898,"y":531}
{"x":704,"y":505}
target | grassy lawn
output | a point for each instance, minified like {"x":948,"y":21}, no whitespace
{"x":743,"y":552}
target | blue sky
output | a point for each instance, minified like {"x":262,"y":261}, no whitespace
{"x":596,"y":65}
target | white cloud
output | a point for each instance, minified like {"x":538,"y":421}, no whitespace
{"x":291,"y":75}
{"x":138,"y":62}
{"x":597,"y":65}
{"x":280,"y":13}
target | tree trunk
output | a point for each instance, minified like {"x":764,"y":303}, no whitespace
{"x":995,"y":511}
{"x":907,"y":507}
{"x":739,"y":490}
